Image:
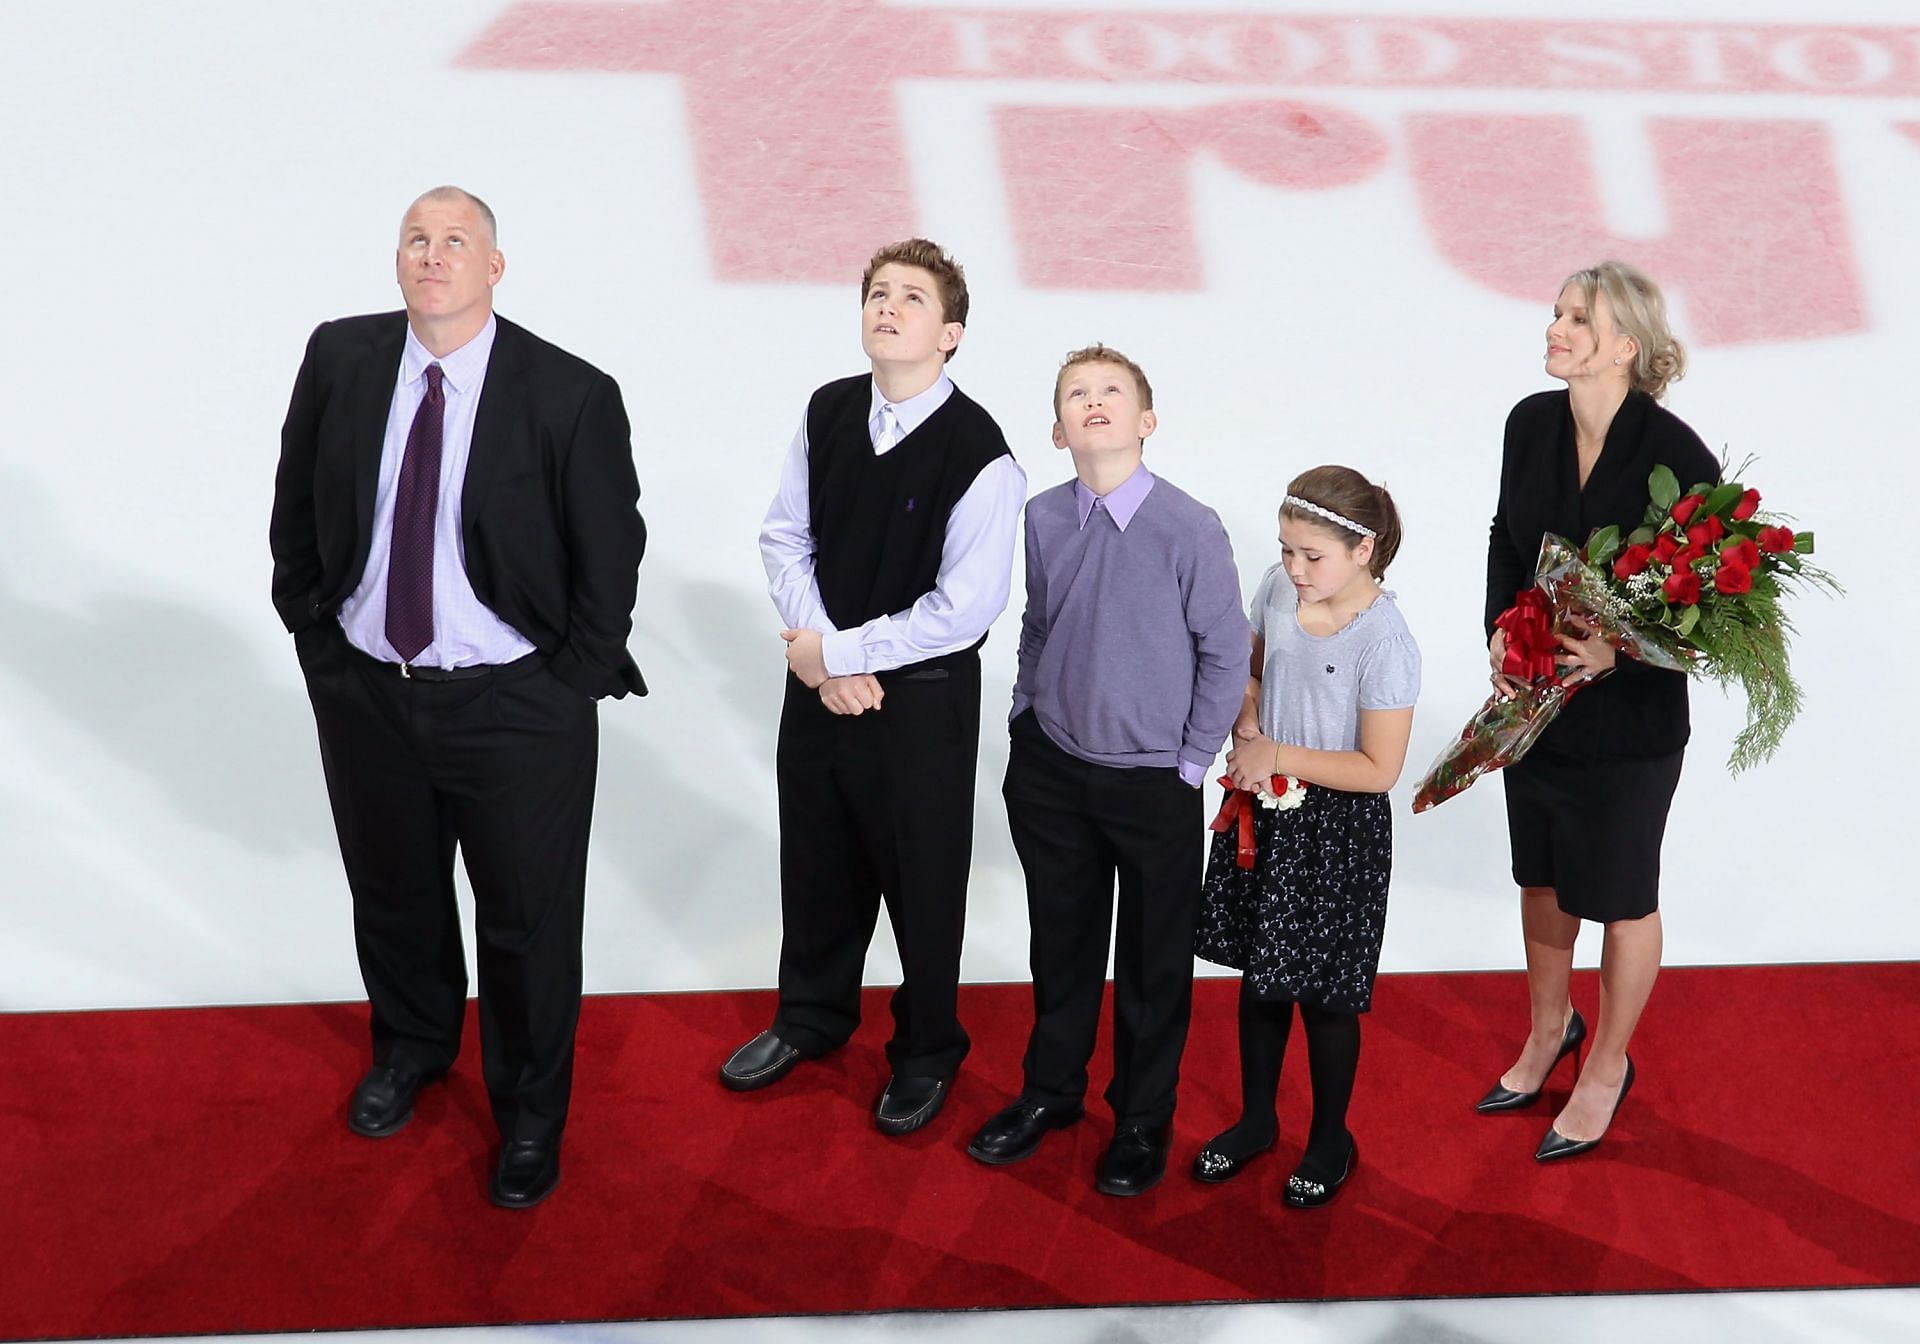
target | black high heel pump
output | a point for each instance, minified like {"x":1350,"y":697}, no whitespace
{"x":1506,"y":1099}
{"x":1557,"y":1145}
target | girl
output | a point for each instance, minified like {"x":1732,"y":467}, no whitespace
{"x":1328,"y":706}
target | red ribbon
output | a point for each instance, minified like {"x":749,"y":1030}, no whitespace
{"x":1237,"y":809}
{"x":1531,"y":643}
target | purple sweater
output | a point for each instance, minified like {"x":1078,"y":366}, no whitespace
{"x":1133,"y":647}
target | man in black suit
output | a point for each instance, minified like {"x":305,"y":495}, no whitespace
{"x":456,"y":544}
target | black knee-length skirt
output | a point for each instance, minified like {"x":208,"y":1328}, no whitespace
{"x":1591,"y":829}
{"x":1306,"y":921}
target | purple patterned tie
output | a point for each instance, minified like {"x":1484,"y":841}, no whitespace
{"x":410,"y":566}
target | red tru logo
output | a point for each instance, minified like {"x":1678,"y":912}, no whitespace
{"x":802,"y":162}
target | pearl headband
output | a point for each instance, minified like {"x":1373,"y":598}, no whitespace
{"x":1295,"y":502}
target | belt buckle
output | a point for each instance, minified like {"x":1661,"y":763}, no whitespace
{"x":406,"y":673}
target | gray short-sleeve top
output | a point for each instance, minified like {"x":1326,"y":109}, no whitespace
{"x":1313,"y":687}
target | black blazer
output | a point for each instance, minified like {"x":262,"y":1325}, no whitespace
{"x":549,"y":510}
{"x":1638,"y":711}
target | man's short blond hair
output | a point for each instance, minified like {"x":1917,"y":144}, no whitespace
{"x":1102,"y":354}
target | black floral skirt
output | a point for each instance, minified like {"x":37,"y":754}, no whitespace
{"x":1305,"y":922}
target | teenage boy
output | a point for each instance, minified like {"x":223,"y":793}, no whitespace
{"x":1133,"y":661}
{"x":889,"y":551}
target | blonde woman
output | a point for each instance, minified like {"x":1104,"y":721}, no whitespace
{"x":1587,"y":807}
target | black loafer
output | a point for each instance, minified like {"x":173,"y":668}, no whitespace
{"x":763,"y":1060}
{"x":908,"y":1103}
{"x":1134,"y":1162}
{"x":527,"y":1173}
{"x":383,"y":1102}
{"x":1015,"y":1133}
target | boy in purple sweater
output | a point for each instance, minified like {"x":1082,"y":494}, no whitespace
{"x":1133,"y":661}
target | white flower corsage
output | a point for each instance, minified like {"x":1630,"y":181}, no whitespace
{"x":1283,"y":793}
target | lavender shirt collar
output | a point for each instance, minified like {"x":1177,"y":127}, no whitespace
{"x":1122,"y":502}
{"x":464,"y":369}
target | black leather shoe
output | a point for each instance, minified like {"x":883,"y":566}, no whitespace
{"x":1016,"y":1132}
{"x":1557,"y":1145}
{"x":527,"y":1173}
{"x":1303,"y":1192}
{"x":383,"y":1102}
{"x":1134,"y":1162}
{"x":908,"y":1103}
{"x":1506,"y":1099}
{"x":763,"y":1060}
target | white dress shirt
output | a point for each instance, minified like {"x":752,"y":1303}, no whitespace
{"x":466,"y":632}
{"x":976,"y":559}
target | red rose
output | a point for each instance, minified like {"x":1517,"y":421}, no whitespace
{"x":1776,"y":540}
{"x":1664,"y":548}
{"x":1682,"y":588}
{"x":1687,"y":506}
{"x":1732,"y":579}
{"x":1631,"y":561}
{"x":1741,"y":552}
{"x":1684,"y":557}
{"x":1744,"y":509}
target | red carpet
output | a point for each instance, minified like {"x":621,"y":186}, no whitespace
{"x":189,"y":1171}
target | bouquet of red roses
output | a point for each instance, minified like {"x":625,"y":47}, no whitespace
{"x":1697,"y":587}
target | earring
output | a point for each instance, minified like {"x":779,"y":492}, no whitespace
{"x":1616,"y":363}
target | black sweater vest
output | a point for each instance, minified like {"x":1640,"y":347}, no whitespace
{"x":879,"y":521}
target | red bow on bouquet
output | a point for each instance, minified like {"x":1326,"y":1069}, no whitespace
{"x":1503,"y":730}
{"x":1531,"y":643}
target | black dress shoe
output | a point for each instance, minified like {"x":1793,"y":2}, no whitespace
{"x":1557,"y":1145}
{"x":1134,"y":1162}
{"x":764,"y":1059}
{"x":908,"y":1103}
{"x":527,"y":1173}
{"x":383,"y":1102}
{"x":1303,"y":1192}
{"x":1016,"y":1132}
{"x":1506,"y":1099}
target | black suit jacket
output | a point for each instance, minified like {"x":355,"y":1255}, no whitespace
{"x":549,"y":511}
{"x":1639,"y":710}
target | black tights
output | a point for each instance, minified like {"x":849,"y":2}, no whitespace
{"x":1333,"y":1057}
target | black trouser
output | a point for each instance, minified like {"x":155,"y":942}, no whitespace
{"x":1074,"y":824}
{"x":878,"y":806}
{"x":503,"y":767}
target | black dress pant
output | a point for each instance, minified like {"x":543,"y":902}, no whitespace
{"x":1075,"y":824}
{"x":502,"y":767}
{"x":878,"y":807}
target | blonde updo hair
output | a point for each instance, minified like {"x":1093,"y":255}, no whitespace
{"x":1640,"y":311}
